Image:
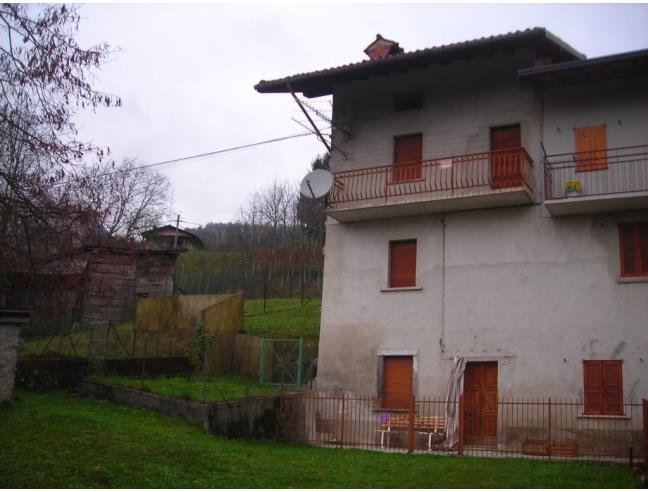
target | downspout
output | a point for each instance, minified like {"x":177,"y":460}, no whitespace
{"x":443,"y":272}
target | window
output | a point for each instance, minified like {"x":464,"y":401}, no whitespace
{"x":603,"y":389}
{"x":408,"y":154}
{"x":590,"y":144}
{"x":402,"y":263}
{"x":633,"y":245}
{"x":406,"y":102}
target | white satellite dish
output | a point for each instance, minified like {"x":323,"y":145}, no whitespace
{"x":316,"y":184}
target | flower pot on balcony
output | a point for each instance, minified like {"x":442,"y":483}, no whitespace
{"x":573,"y":188}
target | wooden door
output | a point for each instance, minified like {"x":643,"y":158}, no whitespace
{"x":506,"y":159}
{"x":408,"y":154}
{"x":397,"y":382}
{"x":480,"y":403}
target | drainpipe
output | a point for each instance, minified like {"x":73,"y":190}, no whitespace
{"x":443,"y":271}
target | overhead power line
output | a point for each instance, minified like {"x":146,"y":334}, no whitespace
{"x":197,"y":156}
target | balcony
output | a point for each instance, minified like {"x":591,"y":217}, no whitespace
{"x":483,"y":180}
{"x":597,"y":181}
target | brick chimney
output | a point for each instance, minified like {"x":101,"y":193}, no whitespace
{"x":382,"y":48}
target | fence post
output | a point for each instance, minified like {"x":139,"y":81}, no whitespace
{"x":549,"y":444}
{"x":645,"y":428}
{"x":299,"y":361}
{"x":342,"y":424}
{"x":410,"y":425}
{"x":461,"y":424}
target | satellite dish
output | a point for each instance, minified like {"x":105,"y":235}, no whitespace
{"x":316,"y":184}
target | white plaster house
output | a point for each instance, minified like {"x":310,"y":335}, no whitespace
{"x":452,"y":234}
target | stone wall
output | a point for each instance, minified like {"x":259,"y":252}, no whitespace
{"x":255,"y":417}
{"x":8,"y":356}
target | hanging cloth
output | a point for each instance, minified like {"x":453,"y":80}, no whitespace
{"x":455,"y":389}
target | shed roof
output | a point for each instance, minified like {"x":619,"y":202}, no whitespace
{"x":321,"y":82}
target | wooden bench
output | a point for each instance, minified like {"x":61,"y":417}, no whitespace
{"x":428,"y":425}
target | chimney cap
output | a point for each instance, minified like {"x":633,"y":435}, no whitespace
{"x":382,"y":48}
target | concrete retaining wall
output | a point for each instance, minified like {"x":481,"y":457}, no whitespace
{"x":255,"y":417}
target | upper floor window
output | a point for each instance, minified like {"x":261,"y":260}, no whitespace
{"x":402,"y":263}
{"x":408,"y":154}
{"x":603,"y":387}
{"x":590,"y":144}
{"x":406,"y":102}
{"x":633,"y":244}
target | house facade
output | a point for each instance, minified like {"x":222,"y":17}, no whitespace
{"x":490,"y":209}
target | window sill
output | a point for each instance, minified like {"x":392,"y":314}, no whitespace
{"x":632,"y":280}
{"x":604,"y":417}
{"x":400,"y":289}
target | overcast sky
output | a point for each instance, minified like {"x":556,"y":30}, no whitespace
{"x":186,"y":76}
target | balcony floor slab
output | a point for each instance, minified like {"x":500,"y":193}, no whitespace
{"x":423,"y":205}
{"x":597,"y":204}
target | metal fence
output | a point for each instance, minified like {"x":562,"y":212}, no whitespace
{"x":602,"y":172}
{"x":456,"y":175}
{"x":540,"y":428}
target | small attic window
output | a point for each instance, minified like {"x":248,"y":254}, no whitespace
{"x":409,"y":101}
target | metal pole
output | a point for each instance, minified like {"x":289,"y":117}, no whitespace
{"x":299,"y":360}
{"x":410,"y":425}
{"x":175,"y":238}
{"x":549,"y":450}
{"x":461,"y":425}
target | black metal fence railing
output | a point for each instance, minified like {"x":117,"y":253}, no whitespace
{"x":538,"y":428}
{"x":601,"y":172}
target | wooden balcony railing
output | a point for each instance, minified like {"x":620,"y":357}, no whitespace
{"x":471,"y":174}
{"x":600,"y":172}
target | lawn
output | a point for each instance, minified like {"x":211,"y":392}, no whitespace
{"x":58,"y":440}
{"x":224,"y":387}
{"x":283,"y":318}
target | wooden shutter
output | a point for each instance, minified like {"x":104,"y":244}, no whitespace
{"x":603,"y":388}
{"x":590,"y":145}
{"x":593,"y":387}
{"x":397,"y":381}
{"x":505,"y":162}
{"x":408,"y":154}
{"x":633,"y":246}
{"x":402,"y":263}
{"x":612,"y":388}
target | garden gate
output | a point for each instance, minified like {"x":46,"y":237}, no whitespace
{"x":285,"y":362}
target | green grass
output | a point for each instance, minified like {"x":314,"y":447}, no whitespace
{"x":57,"y":440}
{"x":284,"y":318}
{"x":224,"y":387}
{"x":62,"y":345}
{"x":201,"y":261}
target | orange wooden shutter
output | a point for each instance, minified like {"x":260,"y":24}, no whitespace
{"x":590,"y":145}
{"x":408,"y":154}
{"x":402,"y":263}
{"x":397,"y":382}
{"x":612,"y":387}
{"x":593,"y":387}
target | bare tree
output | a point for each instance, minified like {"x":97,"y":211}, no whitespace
{"x":127,"y":199}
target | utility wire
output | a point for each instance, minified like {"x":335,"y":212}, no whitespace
{"x":196,"y":156}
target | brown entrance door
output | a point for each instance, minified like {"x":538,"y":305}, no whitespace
{"x":397,"y":382}
{"x":506,"y":161}
{"x":480,"y":403}
{"x":408,"y":153}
